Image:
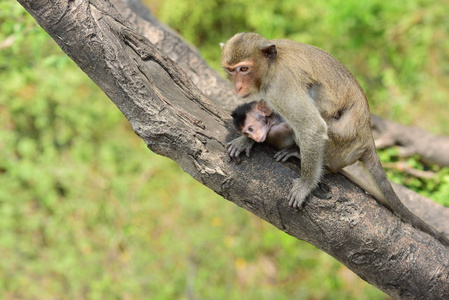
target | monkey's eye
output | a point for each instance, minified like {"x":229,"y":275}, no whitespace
{"x":243,"y":69}
{"x":250,"y":129}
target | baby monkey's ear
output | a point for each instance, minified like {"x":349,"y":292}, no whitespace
{"x":263,"y":107}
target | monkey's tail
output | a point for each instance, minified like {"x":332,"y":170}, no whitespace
{"x":385,"y":194}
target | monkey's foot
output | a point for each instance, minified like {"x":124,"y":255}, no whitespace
{"x":284,"y":154}
{"x":322,"y":191}
{"x":298,"y":194}
{"x":235,"y":147}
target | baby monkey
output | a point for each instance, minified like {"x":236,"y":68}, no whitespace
{"x":257,"y":121}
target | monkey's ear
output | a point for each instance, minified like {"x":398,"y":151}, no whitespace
{"x":269,"y":50}
{"x":263,"y":107}
{"x":222,"y":45}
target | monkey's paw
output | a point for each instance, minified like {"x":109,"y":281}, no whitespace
{"x":284,"y":154}
{"x":322,"y":191}
{"x":298,"y":194}
{"x":235,"y":147}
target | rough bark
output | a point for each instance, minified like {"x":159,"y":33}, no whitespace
{"x":175,"y":119}
{"x":432,"y":149}
{"x":220,"y":92}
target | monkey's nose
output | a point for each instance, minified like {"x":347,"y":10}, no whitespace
{"x":238,"y":87}
{"x":259,"y":139}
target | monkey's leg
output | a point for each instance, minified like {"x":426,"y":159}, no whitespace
{"x":284,"y":154}
{"x":322,"y":191}
{"x":310,"y":134}
{"x":359,"y":174}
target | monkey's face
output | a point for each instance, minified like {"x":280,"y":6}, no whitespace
{"x":245,"y":61}
{"x":256,"y":127}
{"x":244,"y":76}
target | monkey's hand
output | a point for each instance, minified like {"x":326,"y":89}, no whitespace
{"x":284,"y":154}
{"x":235,"y":147}
{"x":299,"y":193}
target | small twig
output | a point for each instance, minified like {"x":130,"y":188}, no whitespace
{"x":402,"y":166}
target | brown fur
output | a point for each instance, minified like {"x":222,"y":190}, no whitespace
{"x":324,"y":105}
{"x":280,"y":135}
{"x":264,"y":123}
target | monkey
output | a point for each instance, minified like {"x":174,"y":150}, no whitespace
{"x":325,"y":107}
{"x":257,"y":121}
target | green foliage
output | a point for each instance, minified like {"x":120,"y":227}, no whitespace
{"x":436,"y":187}
{"x":82,"y":216}
{"x":397,"y":50}
{"x":87,"y":212}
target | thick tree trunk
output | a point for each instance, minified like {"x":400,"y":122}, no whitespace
{"x":175,"y":119}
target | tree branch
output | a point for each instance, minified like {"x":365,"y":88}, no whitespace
{"x":220,"y":92}
{"x":176,"y":120}
{"x":433,"y":149}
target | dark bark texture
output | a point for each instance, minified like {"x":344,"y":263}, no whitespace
{"x":183,"y":113}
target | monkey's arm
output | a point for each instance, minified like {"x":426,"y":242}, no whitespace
{"x":235,"y":147}
{"x":310,"y":133}
{"x":312,"y":154}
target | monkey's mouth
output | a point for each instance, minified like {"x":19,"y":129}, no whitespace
{"x":262,"y":139}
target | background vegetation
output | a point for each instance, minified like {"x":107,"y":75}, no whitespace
{"x":87,"y":212}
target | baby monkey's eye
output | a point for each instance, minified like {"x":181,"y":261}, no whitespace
{"x":250,"y":129}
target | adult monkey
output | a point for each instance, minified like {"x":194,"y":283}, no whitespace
{"x":324,"y":105}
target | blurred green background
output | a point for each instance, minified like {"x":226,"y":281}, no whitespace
{"x":87,"y":212}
